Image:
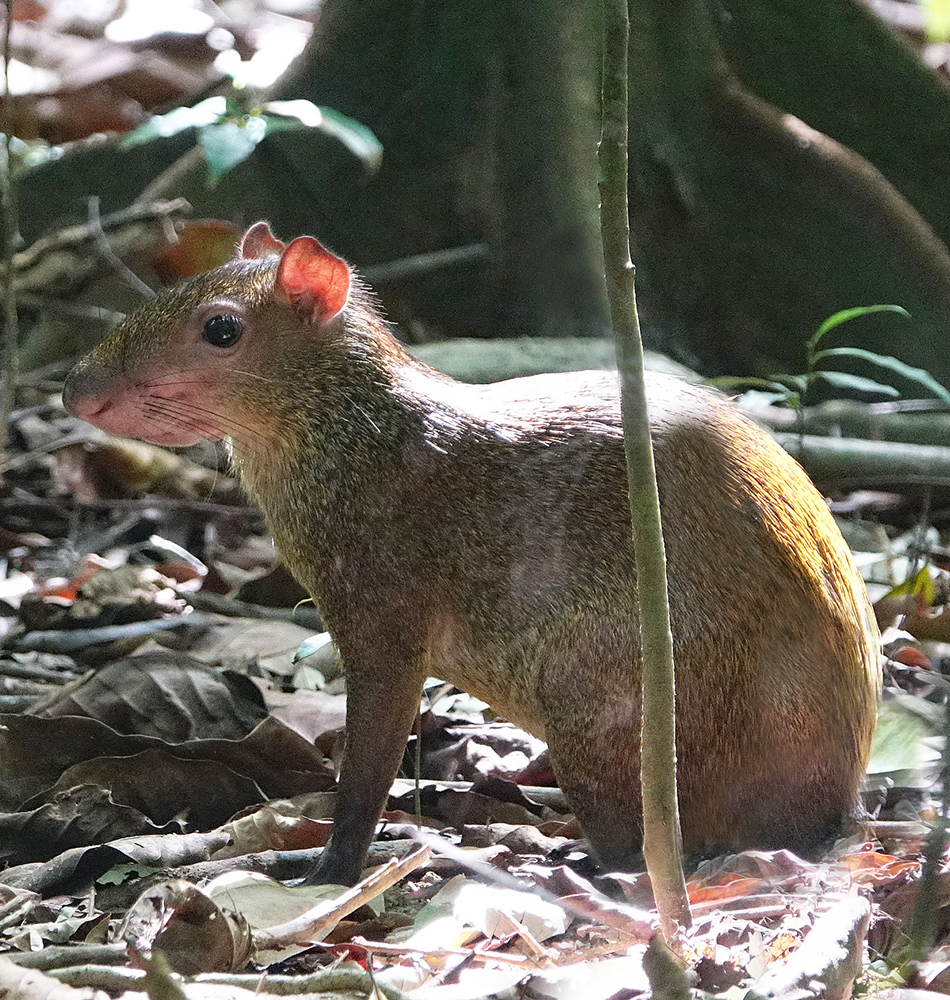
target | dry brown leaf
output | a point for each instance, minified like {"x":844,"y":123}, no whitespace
{"x":193,"y":932}
{"x":201,"y":246}
{"x":272,"y":829}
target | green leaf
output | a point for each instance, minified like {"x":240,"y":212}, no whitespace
{"x":205,"y":113}
{"x":357,"y":138}
{"x":856,"y":383}
{"x":899,"y":740}
{"x":728,"y":382}
{"x":310,"y":646}
{"x":229,"y":143}
{"x":937,"y":20}
{"x":921,"y":583}
{"x":237,"y":109}
{"x":787,"y":389}
{"x":844,"y":315}
{"x":119,"y":874}
{"x":912,"y":374}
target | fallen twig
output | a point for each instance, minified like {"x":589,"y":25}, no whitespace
{"x":318,"y":921}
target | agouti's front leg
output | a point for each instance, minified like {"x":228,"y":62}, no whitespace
{"x":381,"y":704}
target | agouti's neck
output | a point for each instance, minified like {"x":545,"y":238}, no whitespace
{"x":342,"y":443}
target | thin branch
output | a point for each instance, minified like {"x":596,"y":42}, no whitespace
{"x":318,"y":921}
{"x":438,"y":953}
{"x":172,"y":177}
{"x":73,"y":236}
{"x":105,"y":248}
{"x":425,"y":263}
{"x":8,"y":208}
{"x":661,"y":830}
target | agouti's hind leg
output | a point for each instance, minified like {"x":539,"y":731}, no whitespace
{"x":593,"y":733}
{"x":600,"y":776}
{"x":590,"y":691}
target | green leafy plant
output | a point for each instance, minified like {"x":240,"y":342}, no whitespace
{"x":228,"y":132}
{"x":793,"y":389}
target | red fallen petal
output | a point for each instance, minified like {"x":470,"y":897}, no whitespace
{"x":911,"y":657}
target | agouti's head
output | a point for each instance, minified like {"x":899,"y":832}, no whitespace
{"x":213,"y":356}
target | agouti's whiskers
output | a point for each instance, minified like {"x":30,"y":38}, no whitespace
{"x":257,"y":375}
{"x":176,"y":378}
{"x":154,"y":409}
{"x":191,"y":413}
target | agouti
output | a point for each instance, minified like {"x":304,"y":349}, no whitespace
{"x":481,"y":534}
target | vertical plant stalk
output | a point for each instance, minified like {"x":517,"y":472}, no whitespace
{"x":8,"y":212}
{"x":662,"y":846}
{"x":923,"y":929}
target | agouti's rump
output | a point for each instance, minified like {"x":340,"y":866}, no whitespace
{"x":481,"y":534}
{"x":530,"y":568}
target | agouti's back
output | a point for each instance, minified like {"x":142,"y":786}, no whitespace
{"x":481,"y":534}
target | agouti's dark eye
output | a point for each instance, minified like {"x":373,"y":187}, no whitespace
{"x":222,"y":330}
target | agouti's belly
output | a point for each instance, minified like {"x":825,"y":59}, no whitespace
{"x":505,"y":671}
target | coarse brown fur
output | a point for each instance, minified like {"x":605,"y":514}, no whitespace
{"x":481,"y":534}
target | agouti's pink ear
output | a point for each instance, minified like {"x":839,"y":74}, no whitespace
{"x":259,"y":241}
{"x":314,"y":279}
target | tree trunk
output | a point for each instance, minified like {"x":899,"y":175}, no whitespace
{"x":752,"y":228}
{"x":488,"y":117}
{"x":833,"y":64}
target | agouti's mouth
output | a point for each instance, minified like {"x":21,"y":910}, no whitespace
{"x":174,"y":437}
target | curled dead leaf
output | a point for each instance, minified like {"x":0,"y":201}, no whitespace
{"x":193,"y":931}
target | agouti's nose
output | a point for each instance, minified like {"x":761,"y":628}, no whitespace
{"x":83,"y":403}
{"x":87,"y":408}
